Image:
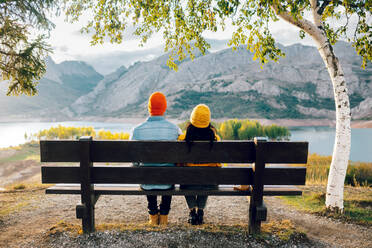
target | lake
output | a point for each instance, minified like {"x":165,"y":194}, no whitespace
{"x":320,"y":139}
{"x":13,"y":133}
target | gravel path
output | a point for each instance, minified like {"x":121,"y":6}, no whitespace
{"x":334,"y":233}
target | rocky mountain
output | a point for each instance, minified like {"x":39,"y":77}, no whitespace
{"x":233,"y":85}
{"x":60,"y":87}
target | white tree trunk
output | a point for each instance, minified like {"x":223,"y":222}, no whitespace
{"x":341,"y":149}
{"x":342,"y":145}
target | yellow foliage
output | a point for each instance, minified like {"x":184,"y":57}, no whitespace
{"x":61,"y":132}
{"x":107,"y":135}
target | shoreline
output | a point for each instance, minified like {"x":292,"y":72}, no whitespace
{"x":137,"y":120}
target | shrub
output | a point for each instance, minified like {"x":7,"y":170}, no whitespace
{"x":229,"y":130}
{"x":248,"y":129}
{"x":359,"y":174}
{"x":61,"y":132}
{"x":276,"y":132}
{"x":107,"y":135}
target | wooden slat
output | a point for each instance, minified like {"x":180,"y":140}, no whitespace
{"x":60,"y":174}
{"x":278,"y":152}
{"x":59,"y":151}
{"x":174,"y":151}
{"x":283,"y":175}
{"x":136,"y":190}
{"x":278,"y":175}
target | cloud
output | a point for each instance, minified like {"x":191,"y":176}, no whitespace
{"x":127,"y":34}
{"x":63,"y":48}
{"x":291,"y":36}
{"x":106,"y":63}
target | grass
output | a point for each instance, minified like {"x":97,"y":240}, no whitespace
{"x":317,"y":170}
{"x":284,"y":230}
{"x":18,"y":196}
{"x":26,"y":186}
{"x":23,"y":152}
{"x":7,"y":208}
{"x":357,"y":204}
{"x":19,"y":186}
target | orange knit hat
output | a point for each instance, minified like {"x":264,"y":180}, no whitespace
{"x":157,"y":104}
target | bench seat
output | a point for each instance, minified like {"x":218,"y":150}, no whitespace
{"x":223,"y":190}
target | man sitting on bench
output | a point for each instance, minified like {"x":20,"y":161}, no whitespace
{"x":157,"y":128}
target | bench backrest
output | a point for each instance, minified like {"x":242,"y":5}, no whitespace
{"x":86,"y":151}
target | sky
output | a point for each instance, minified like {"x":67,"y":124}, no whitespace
{"x":69,"y":44}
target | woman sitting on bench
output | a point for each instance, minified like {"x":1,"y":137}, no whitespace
{"x":199,"y":128}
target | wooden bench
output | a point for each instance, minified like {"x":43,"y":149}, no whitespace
{"x":265,"y":181}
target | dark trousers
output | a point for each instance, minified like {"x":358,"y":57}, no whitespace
{"x":164,"y":204}
{"x":197,"y":201}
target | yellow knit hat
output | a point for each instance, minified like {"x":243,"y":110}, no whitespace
{"x":200,"y":116}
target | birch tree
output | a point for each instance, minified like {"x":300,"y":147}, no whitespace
{"x":184,"y":23}
{"x":324,"y":36}
{"x":22,"y":52}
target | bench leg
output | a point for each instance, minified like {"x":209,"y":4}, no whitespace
{"x":85,"y":212}
{"x":88,"y":197}
{"x":257,"y":209}
{"x":257,"y":214}
{"x":254,"y":224}
{"x":88,"y":221}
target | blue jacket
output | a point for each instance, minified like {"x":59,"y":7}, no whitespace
{"x":156,"y":128}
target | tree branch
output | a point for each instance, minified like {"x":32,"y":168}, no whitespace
{"x":314,"y":7}
{"x":323,"y":6}
{"x":356,"y":29}
{"x":314,"y":4}
{"x":6,"y":44}
{"x":303,"y":24}
{"x":8,"y":53}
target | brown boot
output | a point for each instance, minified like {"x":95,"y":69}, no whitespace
{"x":154,"y":219}
{"x":242,"y":187}
{"x":163,"y":220}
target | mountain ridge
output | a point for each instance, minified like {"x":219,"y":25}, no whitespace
{"x":230,"y":82}
{"x":61,"y":85}
{"x":235,"y":86}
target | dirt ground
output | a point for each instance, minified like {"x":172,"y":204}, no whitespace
{"x":19,"y":171}
{"x":39,"y":213}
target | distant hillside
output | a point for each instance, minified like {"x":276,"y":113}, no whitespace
{"x":233,"y":85}
{"x":61,"y":85}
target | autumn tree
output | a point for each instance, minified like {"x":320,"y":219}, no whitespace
{"x":22,"y":52}
{"x":183,"y":24}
